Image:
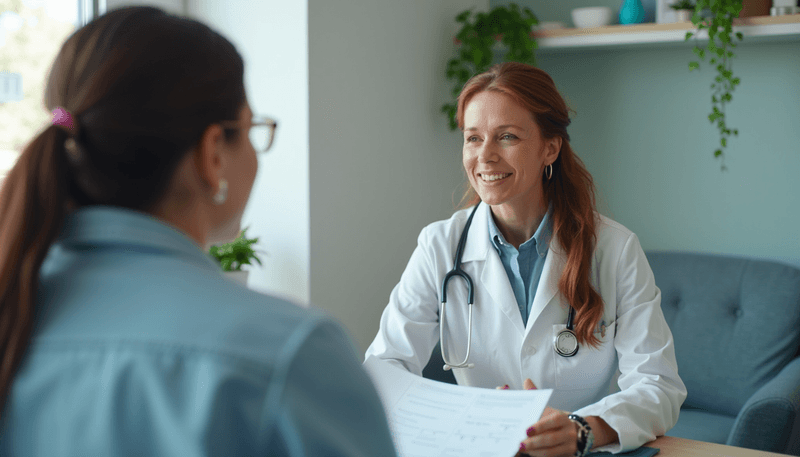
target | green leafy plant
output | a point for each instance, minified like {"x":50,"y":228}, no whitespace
{"x":231,"y":256}
{"x":719,"y":50}
{"x":683,"y":5}
{"x":475,"y":43}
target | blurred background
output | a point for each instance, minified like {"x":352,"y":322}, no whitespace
{"x":31,"y":33}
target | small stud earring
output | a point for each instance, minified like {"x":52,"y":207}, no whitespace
{"x":222,"y":194}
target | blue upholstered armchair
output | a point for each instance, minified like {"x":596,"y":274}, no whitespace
{"x":736,"y":324}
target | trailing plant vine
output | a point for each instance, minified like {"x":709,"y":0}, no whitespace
{"x":475,"y":41}
{"x":720,"y":43}
{"x":683,"y":5}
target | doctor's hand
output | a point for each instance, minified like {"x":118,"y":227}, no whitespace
{"x":556,"y":435}
{"x":552,"y":436}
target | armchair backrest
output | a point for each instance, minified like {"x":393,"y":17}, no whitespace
{"x":736,"y":323}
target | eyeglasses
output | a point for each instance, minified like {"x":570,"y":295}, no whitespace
{"x":261,"y":131}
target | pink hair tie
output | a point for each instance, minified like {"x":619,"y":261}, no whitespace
{"x":63,"y":118}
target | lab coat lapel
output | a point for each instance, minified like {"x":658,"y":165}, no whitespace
{"x":548,"y":283}
{"x":495,"y":280}
{"x":492,"y":275}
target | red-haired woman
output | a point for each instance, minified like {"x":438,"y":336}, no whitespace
{"x":563,"y":297}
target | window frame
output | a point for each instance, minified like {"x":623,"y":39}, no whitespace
{"x":90,"y":9}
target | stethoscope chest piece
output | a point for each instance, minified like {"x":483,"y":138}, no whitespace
{"x":566,"y":343}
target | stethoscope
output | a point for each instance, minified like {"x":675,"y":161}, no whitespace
{"x":565,"y":342}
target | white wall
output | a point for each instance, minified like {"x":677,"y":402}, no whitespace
{"x":272,"y":37}
{"x":172,"y":6}
{"x":383,"y":162}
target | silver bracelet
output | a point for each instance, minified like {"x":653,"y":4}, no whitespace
{"x":585,"y":435}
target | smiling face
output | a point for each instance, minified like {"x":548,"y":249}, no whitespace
{"x":504,"y":154}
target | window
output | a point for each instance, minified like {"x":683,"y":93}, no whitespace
{"x":31,"y":34}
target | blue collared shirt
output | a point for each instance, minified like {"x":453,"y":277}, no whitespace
{"x":142,"y":347}
{"x":524,"y":265}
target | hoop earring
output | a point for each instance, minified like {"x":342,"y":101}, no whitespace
{"x":222,"y":194}
{"x":548,"y":171}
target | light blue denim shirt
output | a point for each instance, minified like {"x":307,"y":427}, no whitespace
{"x":524,"y":265}
{"x":142,"y":347}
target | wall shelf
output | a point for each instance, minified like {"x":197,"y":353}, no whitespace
{"x":755,"y":29}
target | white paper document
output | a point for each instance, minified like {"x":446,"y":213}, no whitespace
{"x":434,"y":419}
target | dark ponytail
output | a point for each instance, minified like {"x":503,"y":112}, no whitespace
{"x":141,"y":86}
{"x":32,"y":204}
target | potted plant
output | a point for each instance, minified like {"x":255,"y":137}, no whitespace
{"x":683,"y":10}
{"x":235,"y":254}
{"x":720,"y":42}
{"x":476,"y":43}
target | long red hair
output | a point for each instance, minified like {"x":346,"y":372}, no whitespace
{"x":570,"y":191}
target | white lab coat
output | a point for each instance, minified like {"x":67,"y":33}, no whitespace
{"x":637,"y":346}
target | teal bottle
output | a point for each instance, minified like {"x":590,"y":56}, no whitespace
{"x":631,"y":12}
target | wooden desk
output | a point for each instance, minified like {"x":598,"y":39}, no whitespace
{"x":670,"y":446}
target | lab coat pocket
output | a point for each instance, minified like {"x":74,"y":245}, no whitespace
{"x":590,"y":367}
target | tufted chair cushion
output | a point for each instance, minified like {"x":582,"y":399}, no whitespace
{"x":736,"y":324}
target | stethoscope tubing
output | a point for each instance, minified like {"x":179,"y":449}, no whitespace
{"x":464,"y":363}
{"x":457,"y":271}
{"x":567,"y":334}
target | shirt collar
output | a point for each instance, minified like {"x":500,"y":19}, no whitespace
{"x":540,"y":239}
{"x":109,"y":225}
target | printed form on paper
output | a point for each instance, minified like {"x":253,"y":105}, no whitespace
{"x":433,"y":419}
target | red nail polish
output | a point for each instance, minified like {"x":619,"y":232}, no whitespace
{"x":530,"y":431}
{"x":505,"y":387}
{"x":521,"y":447}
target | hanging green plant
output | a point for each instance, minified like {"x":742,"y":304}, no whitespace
{"x":476,"y":40}
{"x":719,"y":49}
{"x":683,"y":5}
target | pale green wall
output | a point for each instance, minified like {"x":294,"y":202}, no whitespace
{"x":641,"y":128}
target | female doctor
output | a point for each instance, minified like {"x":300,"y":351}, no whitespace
{"x":537,"y":252}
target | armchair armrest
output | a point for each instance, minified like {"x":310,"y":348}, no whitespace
{"x":768,"y":418}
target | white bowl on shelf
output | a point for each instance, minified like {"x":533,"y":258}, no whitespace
{"x":594,"y":16}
